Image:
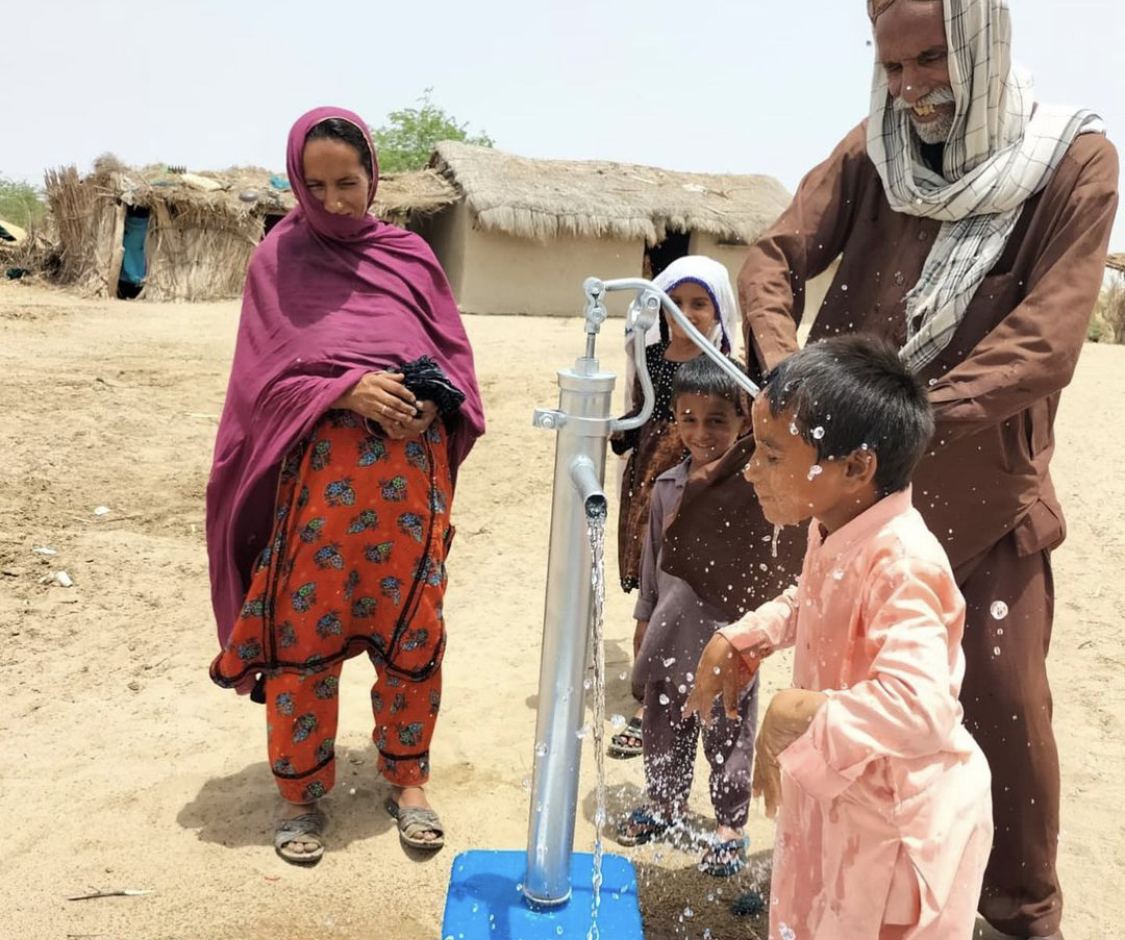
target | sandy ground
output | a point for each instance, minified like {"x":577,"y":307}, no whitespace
{"x":123,"y":767}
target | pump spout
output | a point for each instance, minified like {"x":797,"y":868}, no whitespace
{"x":585,"y":479}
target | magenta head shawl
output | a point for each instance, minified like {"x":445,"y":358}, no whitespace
{"x":328,"y":298}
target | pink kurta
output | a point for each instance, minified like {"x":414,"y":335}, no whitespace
{"x":886,"y":814}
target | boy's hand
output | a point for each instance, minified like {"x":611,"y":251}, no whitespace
{"x":639,"y":637}
{"x":790,"y":713}
{"x":722,"y":670}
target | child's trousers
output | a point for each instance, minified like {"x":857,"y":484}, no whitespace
{"x":669,"y":751}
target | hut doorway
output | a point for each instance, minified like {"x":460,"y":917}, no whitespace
{"x":269,"y":222}
{"x":131,"y":280}
{"x":675,"y":245}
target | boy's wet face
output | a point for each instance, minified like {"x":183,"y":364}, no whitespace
{"x":791,"y":483}
{"x":697,"y":306}
{"x":708,"y":426}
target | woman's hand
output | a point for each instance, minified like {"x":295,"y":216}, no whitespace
{"x":398,"y":430}
{"x":790,"y":713}
{"x":722,"y":670}
{"x":380,"y":396}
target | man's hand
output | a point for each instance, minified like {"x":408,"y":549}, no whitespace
{"x":790,"y":713}
{"x":722,"y":670}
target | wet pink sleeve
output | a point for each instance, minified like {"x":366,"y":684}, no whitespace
{"x":771,"y":627}
{"x":908,"y":707}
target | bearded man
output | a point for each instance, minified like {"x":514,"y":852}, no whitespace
{"x":971,"y":224}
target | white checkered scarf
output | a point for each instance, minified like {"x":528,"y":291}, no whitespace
{"x":1002,"y":150}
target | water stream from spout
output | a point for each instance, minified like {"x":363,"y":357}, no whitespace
{"x":596,"y":527}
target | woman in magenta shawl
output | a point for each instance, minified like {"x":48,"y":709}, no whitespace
{"x":352,"y":402}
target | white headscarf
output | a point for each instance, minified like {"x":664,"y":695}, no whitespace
{"x":714,"y":278}
{"x":1001,"y":151}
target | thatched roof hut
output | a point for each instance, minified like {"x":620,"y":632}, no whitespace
{"x":525,"y":232}
{"x":545,"y":199}
{"x":195,"y":231}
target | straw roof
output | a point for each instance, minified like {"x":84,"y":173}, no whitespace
{"x":1116,"y":262}
{"x":545,"y":199}
{"x":242,"y":192}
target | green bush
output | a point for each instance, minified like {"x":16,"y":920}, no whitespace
{"x":20,"y":203}
{"x":406,"y":141}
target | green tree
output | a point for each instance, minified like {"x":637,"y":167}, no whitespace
{"x":20,"y":203}
{"x":407,"y":139}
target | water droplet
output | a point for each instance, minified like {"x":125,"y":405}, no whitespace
{"x":814,"y":471}
{"x":475,"y":908}
{"x":719,"y":759}
{"x":999,"y":631}
{"x":351,"y":792}
{"x":999,"y":610}
{"x":793,"y":429}
{"x":690,"y":677}
{"x":688,"y":912}
{"x":668,"y":662}
{"x":932,"y":382}
{"x":843,"y":287}
{"x":682,"y":689}
{"x":526,"y":783}
{"x":559,"y":930}
{"x":586,"y":684}
{"x":623,"y":675}
{"x":664,"y":700}
{"x":838,"y":574}
{"x":618,"y":722}
{"x":818,"y":433}
{"x":717,"y":670}
{"x":788,"y":933}
{"x":996,"y":651}
{"x":582,"y":732}
{"x":541,"y":749}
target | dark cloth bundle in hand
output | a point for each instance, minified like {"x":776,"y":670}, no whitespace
{"x":428,"y":382}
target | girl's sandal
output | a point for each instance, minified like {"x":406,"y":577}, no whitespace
{"x":621,"y":744}
{"x":306,"y":828}
{"x":724,"y":859}
{"x":641,"y":826}
{"x":413,"y":823}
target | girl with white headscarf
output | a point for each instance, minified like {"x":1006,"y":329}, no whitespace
{"x":701,"y":288}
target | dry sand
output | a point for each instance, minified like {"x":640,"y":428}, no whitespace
{"x":123,"y":767}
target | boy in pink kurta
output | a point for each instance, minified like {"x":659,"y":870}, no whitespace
{"x":884,"y":814}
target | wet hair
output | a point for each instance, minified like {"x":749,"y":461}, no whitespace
{"x":348,"y":133}
{"x":851,"y":392}
{"x":701,"y":376}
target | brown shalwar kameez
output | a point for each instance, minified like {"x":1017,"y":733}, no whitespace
{"x":985,"y":488}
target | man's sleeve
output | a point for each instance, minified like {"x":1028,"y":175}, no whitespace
{"x":802,"y":243}
{"x":1033,"y":351}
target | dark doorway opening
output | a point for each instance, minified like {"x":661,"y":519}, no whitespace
{"x":269,"y":223}
{"x":675,"y":245}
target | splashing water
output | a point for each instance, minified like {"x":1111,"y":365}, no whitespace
{"x":814,"y":471}
{"x":999,"y":610}
{"x":773,"y":541}
{"x":596,"y":527}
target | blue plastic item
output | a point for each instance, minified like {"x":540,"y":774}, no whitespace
{"x":486,"y":902}
{"x":277,"y":181}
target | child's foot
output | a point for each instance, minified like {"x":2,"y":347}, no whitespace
{"x":642,"y":825}
{"x":630,"y":742}
{"x":418,"y":825}
{"x":299,"y":833}
{"x":726,"y":855}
